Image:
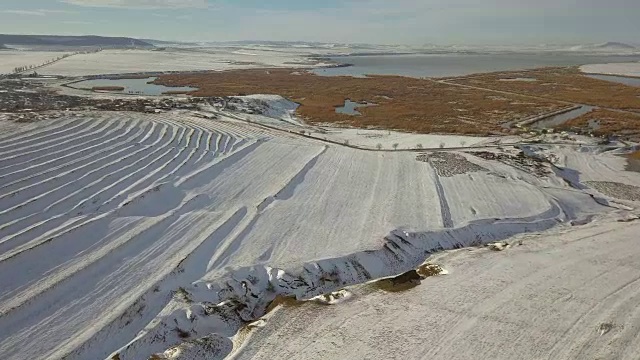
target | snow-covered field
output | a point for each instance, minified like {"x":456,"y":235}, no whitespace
{"x":568,"y":295}
{"x":130,"y":234}
{"x":10,"y":59}
{"x":133,"y":61}
{"x":621,"y":69}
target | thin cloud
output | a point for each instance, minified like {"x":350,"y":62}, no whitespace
{"x":78,"y":22}
{"x":140,"y":4}
{"x":24,"y":12}
{"x":38,"y":12}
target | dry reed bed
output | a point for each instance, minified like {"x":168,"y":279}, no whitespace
{"x":565,"y":84}
{"x":409,"y":104}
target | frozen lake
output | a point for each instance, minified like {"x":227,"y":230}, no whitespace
{"x":445,"y":65}
{"x":131,"y":86}
{"x":631,"y":81}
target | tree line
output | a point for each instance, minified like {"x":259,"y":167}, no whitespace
{"x":20,"y":69}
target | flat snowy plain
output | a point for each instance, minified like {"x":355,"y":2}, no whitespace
{"x":134,"y":61}
{"x":10,"y":59}
{"x":125,"y":235}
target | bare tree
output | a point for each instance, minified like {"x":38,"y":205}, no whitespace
{"x":463,"y":143}
{"x":379,"y":146}
{"x":419,"y":147}
{"x":442,"y":145}
{"x":395,"y":146}
{"x":346,"y":142}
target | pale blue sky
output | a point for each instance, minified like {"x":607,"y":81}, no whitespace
{"x":372,"y":21}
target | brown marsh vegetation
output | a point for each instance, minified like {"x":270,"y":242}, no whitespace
{"x":603,"y":122}
{"x":564,"y":84}
{"x":429,"y":106}
{"x":409,"y":104}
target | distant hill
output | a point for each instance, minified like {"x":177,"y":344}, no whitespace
{"x":614,"y":45}
{"x":56,"y":40}
{"x":606,"y":47}
{"x":166,"y":43}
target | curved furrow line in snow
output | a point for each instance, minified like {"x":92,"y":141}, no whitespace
{"x":4,"y":242}
{"x":151,"y":178}
{"x":198,"y":138}
{"x":51,"y":159}
{"x":157,"y":233}
{"x":223,"y":140}
{"x":242,"y":130}
{"x":178,"y":177}
{"x":234,"y":127}
{"x":224,"y":127}
{"x":113,"y":146}
{"x":238,"y":144}
{"x":219,"y":258}
{"x":158,"y":250}
{"x":78,"y":223}
{"x":139,"y":165}
{"x":145,"y":170}
{"x":123,"y":329}
{"x":217,"y":128}
{"x":48,"y":219}
{"x":20,"y":158}
{"x":57,"y":176}
{"x":220,"y":143}
{"x":16,"y":133}
{"x":447,"y":220}
{"x":189,"y":138}
{"x":101,"y":184}
{"x":42,"y":146}
{"x":145,"y":184}
{"x":241,"y":152}
{"x":49,"y":246}
{"x":13,"y":202}
{"x":40,"y":132}
{"x":229,"y":144}
{"x":214,"y":143}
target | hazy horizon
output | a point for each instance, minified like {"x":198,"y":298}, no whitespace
{"x":411,"y":22}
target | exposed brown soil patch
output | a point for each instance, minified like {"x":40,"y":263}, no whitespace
{"x":286,"y":301}
{"x":566,"y":84}
{"x":409,"y":104}
{"x":635,"y":155}
{"x":408,"y":280}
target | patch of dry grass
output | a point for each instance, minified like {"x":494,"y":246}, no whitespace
{"x":409,"y":104}
{"x":565,"y":84}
